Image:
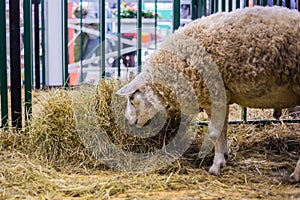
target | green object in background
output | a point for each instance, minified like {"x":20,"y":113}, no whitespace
{"x":78,"y":45}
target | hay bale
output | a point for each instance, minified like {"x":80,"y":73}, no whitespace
{"x":52,"y":136}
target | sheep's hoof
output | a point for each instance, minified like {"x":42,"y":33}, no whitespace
{"x":215,"y":170}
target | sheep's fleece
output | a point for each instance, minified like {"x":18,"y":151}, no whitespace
{"x":250,"y":57}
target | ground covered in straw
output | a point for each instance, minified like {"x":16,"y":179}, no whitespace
{"x":52,"y":159}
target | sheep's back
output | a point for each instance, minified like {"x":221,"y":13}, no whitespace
{"x":255,"y":49}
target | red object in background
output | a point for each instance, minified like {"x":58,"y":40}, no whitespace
{"x":74,"y":76}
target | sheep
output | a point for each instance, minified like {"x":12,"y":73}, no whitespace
{"x":250,"y":57}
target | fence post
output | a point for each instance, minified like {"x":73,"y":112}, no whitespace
{"x":36,"y":4}
{"x":176,"y":14}
{"x":43,"y":45}
{"x":3,"y":66}
{"x":119,"y":38}
{"x":15,"y":63}
{"x":28,"y":56}
{"x":65,"y":44}
{"x":139,"y":38}
{"x":102,"y":35}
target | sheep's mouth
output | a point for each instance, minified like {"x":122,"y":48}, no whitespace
{"x":143,"y":125}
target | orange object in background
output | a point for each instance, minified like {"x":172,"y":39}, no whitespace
{"x":74,"y":74}
{"x":146,"y":37}
{"x":251,"y":3}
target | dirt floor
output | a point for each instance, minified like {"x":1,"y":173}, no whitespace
{"x":260,"y":161}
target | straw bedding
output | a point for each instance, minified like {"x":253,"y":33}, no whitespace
{"x":50,"y":158}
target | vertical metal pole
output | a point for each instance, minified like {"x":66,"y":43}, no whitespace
{"x":244,"y":114}
{"x":247,"y":3}
{"x":238,"y":4}
{"x":43,"y":45}
{"x":201,"y":9}
{"x":81,"y":42}
{"x":102,"y":36}
{"x":119,"y":37}
{"x":28,"y":56}
{"x":176,"y":14}
{"x":211,"y":7}
{"x":37,"y":43}
{"x":139,"y":38}
{"x":194,"y":9}
{"x":15,"y":63}
{"x":155,"y":24}
{"x":216,"y":6}
{"x":204,"y":8}
{"x":65,"y":44}
{"x":230,"y":5}
{"x":3,"y":66}
{"x":223,"y":5}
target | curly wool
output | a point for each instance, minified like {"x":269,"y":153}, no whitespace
{"x":255,"y":50}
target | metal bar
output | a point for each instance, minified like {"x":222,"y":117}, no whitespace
{"x":211,"y":6}
{"x":139,"y":38}
{"x":223,"y":5}
{"x":3,"y":66}
{"x":15,"y":63}
{"x":244,"y":114}
{"x":28,"y":56}
{"x":216,"y":6}
{"x":176,"y":14}
{"x":264,"y":2}
{"x":238,"y":4}
{"x":43,"y":45}
{"x":102,"y":29}
{"x":204,"y":8}
{"x":65,"y":45}
{"x":230,"y":5}
{"x":200,"y":9}
{"x":119,"y":37}
{"x":247,"y":3}
{"x":194,"y":9}
{"x":259,"y":122}
{"x":81,"y":42}
{"x":37,"y":44}
{"x":288,"y":3}
{"x":155,"y":24}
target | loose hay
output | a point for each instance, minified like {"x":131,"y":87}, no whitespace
{"x":50,"y":159}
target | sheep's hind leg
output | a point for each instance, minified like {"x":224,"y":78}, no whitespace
{"x":295,"y":176}
{"x":220,"y":141}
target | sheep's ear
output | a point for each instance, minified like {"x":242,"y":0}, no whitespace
{"x":136,"y":84}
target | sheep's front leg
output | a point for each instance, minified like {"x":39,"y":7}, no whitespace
{"x":295,"y":176}
{"x":219,"y":137}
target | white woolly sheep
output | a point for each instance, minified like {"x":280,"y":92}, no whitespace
{"x":256,"y":53}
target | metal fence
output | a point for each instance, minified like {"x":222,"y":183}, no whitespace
{"x":114,"y":47}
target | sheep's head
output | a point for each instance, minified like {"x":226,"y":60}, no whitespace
{"x":142,"y":103}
